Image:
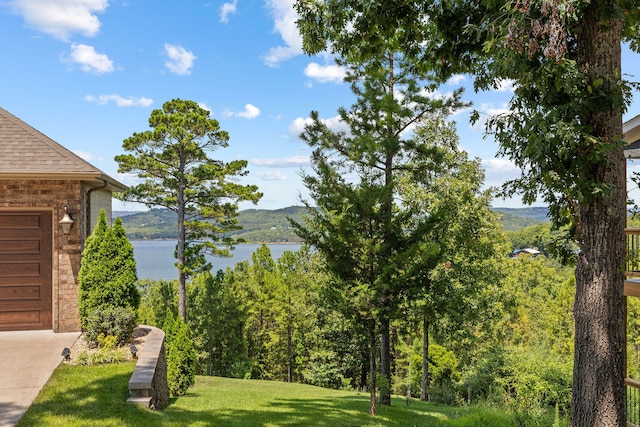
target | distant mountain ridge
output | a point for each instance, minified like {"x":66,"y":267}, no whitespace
{"x":518,"y":218}
{"x":272,"y":226}
{"x":258,"y":225}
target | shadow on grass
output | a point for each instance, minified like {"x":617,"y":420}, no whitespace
{"x":333,"y":412}
{"x":97,"y":397}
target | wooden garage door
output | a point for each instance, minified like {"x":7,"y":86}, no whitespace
{"x":25,"y":270}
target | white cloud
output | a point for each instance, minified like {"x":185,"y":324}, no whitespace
{"x":297,"y":126}
{"x":456,"y":79}
{"x":226,"y":10}
{"x":90,"y":60}
{"x":499,"y":166}
{"x":284,"y":17}
{"x":284,"y":162}
{"x":85,"y":155}
{"x":205,"y":107}
{"x":272,"y":176}
{"x":250,"y":112}
{"x":179,"y":60}
{"x":334,"y":124}
{"x":119,"y":100}
{"x":61,"y":18}
{"x":498,"y":171}
{"x":129,"y":179}
{"x":487,"y":110}
{"x":505,"y":86}
{"x":325,"y":73}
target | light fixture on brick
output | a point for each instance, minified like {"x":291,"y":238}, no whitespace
{"x":66,"y":222}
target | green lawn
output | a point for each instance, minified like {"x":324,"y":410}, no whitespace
{"x":96,"y":396}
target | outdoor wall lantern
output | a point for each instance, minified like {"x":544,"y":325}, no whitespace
{"x":66,"y":222}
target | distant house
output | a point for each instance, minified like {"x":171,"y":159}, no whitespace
{"x":49,"y":201}
{"x":631,"y":130}
{"x":532,"y":252}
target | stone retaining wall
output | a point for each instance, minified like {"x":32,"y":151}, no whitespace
{"x":148,"y":385}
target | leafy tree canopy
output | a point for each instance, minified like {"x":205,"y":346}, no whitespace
{"x":172,"y":159}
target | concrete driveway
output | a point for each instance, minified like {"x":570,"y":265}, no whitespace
{"x":27,"y":360}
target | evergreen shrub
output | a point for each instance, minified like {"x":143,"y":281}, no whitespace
{"x":118,"y":322}
{"x":181,"y":359}
{"x":107,"y":280}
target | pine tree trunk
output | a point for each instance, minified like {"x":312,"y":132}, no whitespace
{"x":385,"y":361}
{"x":372,"y":368}
{"x":289,"y":351}
{"x":182,"y":280}
{"x":424,"y":387}
{"x":599,"y":361}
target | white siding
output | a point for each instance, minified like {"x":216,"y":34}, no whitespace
{"x":100,"y":199}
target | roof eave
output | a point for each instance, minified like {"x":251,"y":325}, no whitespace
{"x":92,"y":178}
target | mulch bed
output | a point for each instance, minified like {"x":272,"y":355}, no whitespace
{"x":81,"y":345}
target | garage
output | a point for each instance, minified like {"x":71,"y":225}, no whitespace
{"x":49,"y":202}
{"x":25,"y":270}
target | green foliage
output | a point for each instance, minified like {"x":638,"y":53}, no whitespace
{"x":325,"y":369}
{"x":181,"y":359}
{"x":158,"y":301}
{"x":255,"y":225}
{"x":217,"y":322}
{"x":443,"y":367}
{"x":103,"y":356}
{"x":100,"y":400}
{"x":444,"y":375}
{"x":551,"y":242}
{"x":534,"y":383}
{"x":517,"y":218}
{"x":107,"y":277}
{"x":543,"y":292}
{"x":156,"y":223}
{"x":563,"y":127}
{"x":272,"y":226}
{"x":633,"y":338}
{"x":266,"y":318}
{"x":373,"y":239}
{"x":172,"y":159}
{"x":530,"y":371}
{"x":107,"y":341}
{"x":118,"y":322}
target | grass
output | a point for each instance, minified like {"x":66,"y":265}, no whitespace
{"x":96,"y":396}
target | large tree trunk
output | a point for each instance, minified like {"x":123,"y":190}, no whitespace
{"x":424,"y":387}
{"x":385,"y":361}
{"x":372,"y":368}
{"x":182,"y":234}
{"x":599,"y":363}
{"x":289,"y":351}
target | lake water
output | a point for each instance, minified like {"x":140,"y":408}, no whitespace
{"x":155,"y":260}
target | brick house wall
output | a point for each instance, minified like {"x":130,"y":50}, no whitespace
{"x":54,"y":195}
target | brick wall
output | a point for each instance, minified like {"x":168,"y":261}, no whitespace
{"x":54,"y":195}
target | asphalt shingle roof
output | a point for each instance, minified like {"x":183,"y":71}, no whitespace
{"x":27,"y":151}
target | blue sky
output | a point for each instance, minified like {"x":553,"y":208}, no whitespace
{"x":88,"y":73}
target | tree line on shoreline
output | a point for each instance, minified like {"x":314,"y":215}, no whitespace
{"x":272,"y":226}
